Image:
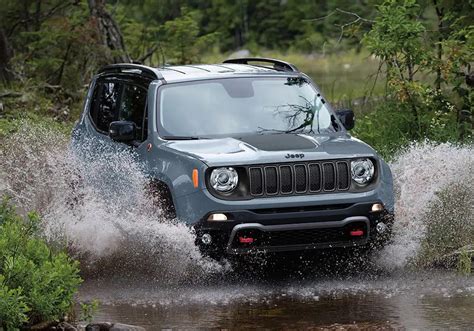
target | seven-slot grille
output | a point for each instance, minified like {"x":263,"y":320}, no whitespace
{"x":299,"y":178}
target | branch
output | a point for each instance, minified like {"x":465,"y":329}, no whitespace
{"x":51,"y":12}
{"x":11,"y":95}
{"x":338,"y":10}
{"x":379,"y":70}
{"x":150,"y":52}
{"x":354,"y":14}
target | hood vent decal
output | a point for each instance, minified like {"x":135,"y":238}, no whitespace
{"x":278,"y":142}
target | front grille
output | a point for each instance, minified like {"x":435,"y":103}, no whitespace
{"x":256,"y":179}
{"x":299,"y":178}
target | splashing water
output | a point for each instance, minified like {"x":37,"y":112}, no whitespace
{"x":97,"y":205}
{"x":420,"y":173}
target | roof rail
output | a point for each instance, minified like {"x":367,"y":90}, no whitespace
{"x":131,"y":67}
{"x":277,"y":64}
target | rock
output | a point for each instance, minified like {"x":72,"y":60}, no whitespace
{"x":64,"y":326}
{"x":99,"y":326}
{"x":113,"y":327}
{"x":43,"y":326}
{"x":125,"y":327}
{"x":470,"y":79}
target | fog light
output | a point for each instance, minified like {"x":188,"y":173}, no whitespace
{"x":246,"y":240}
{"x":217,"y":217}
{"x":356,"y":233}
{"x":377,"y":207}
{"x":381,"y":227}
{"x":206,"y":239}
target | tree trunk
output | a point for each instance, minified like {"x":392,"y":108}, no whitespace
{"x":5,"y":56}
{"x":440,"y":15}
{"x":38,"y":15}
{"x":108,"y":31}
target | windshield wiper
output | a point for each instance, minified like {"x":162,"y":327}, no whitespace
{"x":181,"y":138}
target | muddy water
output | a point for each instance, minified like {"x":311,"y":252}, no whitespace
{"x":415,"y":301}
{"x":146,"y":270}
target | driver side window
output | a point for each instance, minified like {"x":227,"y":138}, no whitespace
{"x":104,"y":105}
{"x":115,"y":100}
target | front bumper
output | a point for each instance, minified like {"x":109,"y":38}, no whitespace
{"x":294,"y":229}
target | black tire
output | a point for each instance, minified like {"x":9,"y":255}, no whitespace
{"x":162,"y":198}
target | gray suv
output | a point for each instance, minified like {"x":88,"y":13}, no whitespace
{"x":247,"y":152}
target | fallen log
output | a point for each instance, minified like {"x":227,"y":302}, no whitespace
{"x":11,"y":95}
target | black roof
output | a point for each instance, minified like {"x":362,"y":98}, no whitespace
{"x":231,"y":67}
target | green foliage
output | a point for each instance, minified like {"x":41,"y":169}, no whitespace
{"x":13,"y":309}
{"x":36,"y":283}
{"x":395,"y":35}
{"x":398,"y":39}
{"x":390,"y":126}
{"x":183,"y":43}
{"x":59,"y":49}
{"x":385,"y":129}
{"x":88,"y":310}
{"x":465,"y":262}
{"x":38,"y":108}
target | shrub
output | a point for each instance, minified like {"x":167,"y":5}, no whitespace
{"x":36,"y":283}
{"x":390,"y":126}
{"x":449,"y":226}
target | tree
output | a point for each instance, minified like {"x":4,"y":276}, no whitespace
{"x":183,"y":43}
{"x":108,"y":31}
{"x":396,"y":38}
{"x":411,"y":53}
{"x":5,"y":56}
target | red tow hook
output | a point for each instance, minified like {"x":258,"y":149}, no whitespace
{"x":245,"y":240}
{"x":356,"y":233}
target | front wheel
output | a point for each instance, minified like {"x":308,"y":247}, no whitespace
{"x":161,"y":198}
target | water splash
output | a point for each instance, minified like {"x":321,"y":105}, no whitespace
{"x":420,"y":173}
{"x":96,"y":204}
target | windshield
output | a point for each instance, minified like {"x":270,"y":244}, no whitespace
{"x":240,"y":106}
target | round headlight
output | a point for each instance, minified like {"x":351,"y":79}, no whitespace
{"x":224,"y":180}
{"x":362,"y":171}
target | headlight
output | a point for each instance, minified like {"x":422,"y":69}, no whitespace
{"x":362,"y":171}
{"x":224,"y":180}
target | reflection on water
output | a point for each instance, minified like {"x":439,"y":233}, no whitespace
{"x":390,"y":301}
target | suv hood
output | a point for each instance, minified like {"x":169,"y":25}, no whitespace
{"x":272,"y":148}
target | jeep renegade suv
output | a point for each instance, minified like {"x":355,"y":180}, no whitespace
{"x":248,"y":152}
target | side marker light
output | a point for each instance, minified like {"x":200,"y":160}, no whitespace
{"x":195,"y":178}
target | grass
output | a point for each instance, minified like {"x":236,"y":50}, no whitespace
{"x":35,"y":106}
{"x":464,"y":262}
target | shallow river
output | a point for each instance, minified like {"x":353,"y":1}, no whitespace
{"x":387,"y":301}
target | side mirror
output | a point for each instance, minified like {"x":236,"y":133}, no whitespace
{"x":122,"y":131}
{"x":347,"y":117}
